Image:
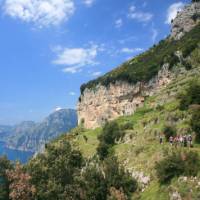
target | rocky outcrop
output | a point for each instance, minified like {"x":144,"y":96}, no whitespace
{"x":101,"y":104}
{"x":186,"y":20}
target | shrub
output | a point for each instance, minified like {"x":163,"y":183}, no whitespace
{"x":177,"y":164}
{"x":4,"y":183}
{"x":110,"y":133}
{"x":195,"y":121}
{"x":127,"y":125}
{"x":117,"y":177}
{"x":187,"y":65}
{"x":169,"y":131}
{"x":103,"y":150}
{"x":191,"y":95}
{"x":99,"y":178}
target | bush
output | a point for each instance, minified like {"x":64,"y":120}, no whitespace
{"x":99,"y":180}
{"x":4,"y":183}
{"x":169,"y":131}
{"x":110,"y":133}
{"x":195,"y":121}
{"x":103,"y":150}
{"x":127,"y":126}
{"x":177,"y":164}
{"x":191,"y":95}
{"x":117,"y":177}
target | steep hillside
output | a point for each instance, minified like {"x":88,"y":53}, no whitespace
{"x":139,"y":150}
{"x":30,"y":136}
{"x":123,"y":90}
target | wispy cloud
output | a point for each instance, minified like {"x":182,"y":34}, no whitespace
{"x":74,"y":59}
{"x":139,"y":15}
{"x":57,"y":108}
{"x":72,"y":93}
{"x":88,"y":2}
{"x":173,"y":10}
{"x":96,"y":74}
{"x":131,"y":50}
{"x":40,"y":12}
{"x":154,"y":34}
{"x":118,"y":23}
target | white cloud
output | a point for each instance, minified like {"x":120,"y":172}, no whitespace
{"x":96,"y":74}
{"x":88,"y":2}
{"x":131,"y":51}
{"x":173,"y":10}
{"x":72,"y":93}
{"x":118,"y":23}
{"x":139,"y":15}
{"x":40,"y":12}
{"x":74,"y":59}
{"x":57,"y":108}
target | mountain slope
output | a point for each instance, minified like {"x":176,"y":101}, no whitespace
{"x":30,"y":136}
{"x":139,"y":150}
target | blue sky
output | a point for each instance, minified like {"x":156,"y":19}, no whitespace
{"x":48,"y":48}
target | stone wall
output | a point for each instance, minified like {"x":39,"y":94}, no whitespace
{"x":98,"y":105}
{"x":186,"y":20}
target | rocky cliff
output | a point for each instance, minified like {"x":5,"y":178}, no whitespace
{"x":123,"y":90}
{"x":107,"y":103}
{"x":185,"y":20}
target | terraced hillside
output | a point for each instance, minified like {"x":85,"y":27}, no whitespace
{"x":139,"y":150}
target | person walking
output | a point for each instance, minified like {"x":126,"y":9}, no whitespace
{"x":185,"y":141}
{"x":161,"y":139}
{"x":171,"y":140}
{"x":181,"y":140}
{"x":190,"y":140}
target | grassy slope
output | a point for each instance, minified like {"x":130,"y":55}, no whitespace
{"x":140,"y":149}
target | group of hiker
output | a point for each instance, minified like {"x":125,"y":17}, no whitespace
{"x":180,"y":140}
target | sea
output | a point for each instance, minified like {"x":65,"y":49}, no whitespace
{"x":15,"y":155}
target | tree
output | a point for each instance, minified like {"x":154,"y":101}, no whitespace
{"x":54,"y":171}
{"x":110,"y":133}
{"x":195,"y":121}
{"x":4,"y":183}
{"x":20,"y":186}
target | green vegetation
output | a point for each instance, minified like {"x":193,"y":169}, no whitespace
{"x":62,"y":172}
{"x":191,"y":95}
{"x":110,"y":133}
{"x":169,"y":131}
{"x":4,"y":183}
{"x":147,"y":65}
{"x":195,"y":121}
{"x":176,"y":164}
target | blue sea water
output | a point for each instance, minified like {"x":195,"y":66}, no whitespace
{"x":15,"y":155}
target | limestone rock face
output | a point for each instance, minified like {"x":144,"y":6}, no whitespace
{"x":96,"y":106}
{"x":186,"y":20}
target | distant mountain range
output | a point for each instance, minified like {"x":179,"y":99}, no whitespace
{"x":31,"y":136}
